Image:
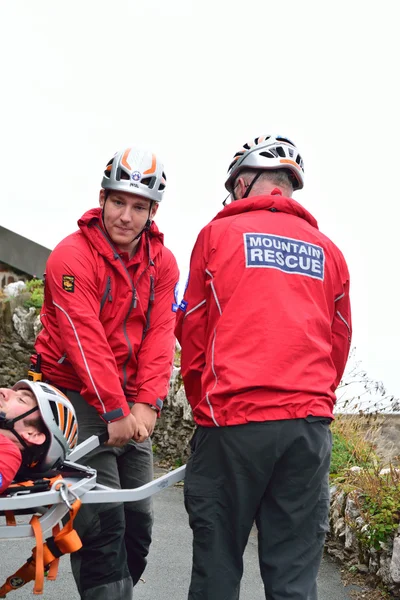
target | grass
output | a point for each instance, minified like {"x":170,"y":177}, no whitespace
{"x":377,"y":495}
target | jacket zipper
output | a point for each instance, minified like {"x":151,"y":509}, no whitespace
{"x":150,"y":306}
{"x":107,"y":292}
{"x":133,"y":302}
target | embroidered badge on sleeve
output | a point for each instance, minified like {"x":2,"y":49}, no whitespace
{"x":68,"y":283}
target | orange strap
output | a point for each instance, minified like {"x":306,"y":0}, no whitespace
{"x":10,"y":518}
{"x":67,"y":539}
{"x":31,"y":482}
{"x":39,"y":570}
{"x":53,"y":570}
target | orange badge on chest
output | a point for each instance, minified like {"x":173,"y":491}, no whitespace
{"x":68,"y":283}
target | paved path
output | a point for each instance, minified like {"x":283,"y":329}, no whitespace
{"x":168,"y":571}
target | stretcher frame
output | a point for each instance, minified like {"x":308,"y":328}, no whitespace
{"x":55,"y":503}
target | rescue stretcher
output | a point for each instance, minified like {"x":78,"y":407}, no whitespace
{"x":49,"y":500}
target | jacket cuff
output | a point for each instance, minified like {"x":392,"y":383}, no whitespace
{"x":148,"y":399}
{"x":116,"y":414}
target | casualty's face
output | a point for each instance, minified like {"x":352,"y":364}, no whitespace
{"x":125,"y":216}
{"x":13,"y":404}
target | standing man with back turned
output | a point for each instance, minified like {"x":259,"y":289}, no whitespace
{"x":108,"y":342}
{"x":265,"y":331}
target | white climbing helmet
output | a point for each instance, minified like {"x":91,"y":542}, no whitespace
{"x":135,"y":171}
{"x":264,"y":153}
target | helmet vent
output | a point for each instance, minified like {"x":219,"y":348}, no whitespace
{"x":149,"y":181}
{"x":291,"y":152}
{"x":267,"y":154}
{"x":280,"y":151}
{"x":124,"y":175}
{"x":298,"y":160}
{"x":54,"y":411}
{"x":47,"y":389}
{"x":163,"y":181}
{"x":107,"y":170}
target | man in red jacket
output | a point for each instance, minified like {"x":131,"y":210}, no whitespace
{"x":265,"y":332}
{"x":108,"y":343}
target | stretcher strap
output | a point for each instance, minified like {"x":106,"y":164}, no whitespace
{"x":32,"y":486}
{"x":53,"y":570}
{"x":10,"y":518}
{"x":38,"y":555}
{"x":44,"y":556}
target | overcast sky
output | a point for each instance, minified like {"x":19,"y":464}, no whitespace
{"x":193,"y":81}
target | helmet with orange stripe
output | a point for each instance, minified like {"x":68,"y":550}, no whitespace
{"x":268,"y":152}
{"x":59,"y":418}
{"x":135,"y":171}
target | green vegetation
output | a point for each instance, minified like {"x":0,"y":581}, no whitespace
{"x":350,"y":446}
{"x":35,"y":289}
{"x":377,"y":495}
{"x":379,"y":506}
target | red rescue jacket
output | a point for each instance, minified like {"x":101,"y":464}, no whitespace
{"x":10,"y":461}
{"x":265,"y":322}
{"x":108,"y":320}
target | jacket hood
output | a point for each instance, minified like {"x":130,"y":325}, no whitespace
{"x":91,"y":225}
{"x":273,"y":201}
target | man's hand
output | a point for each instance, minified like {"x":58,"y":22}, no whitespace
{"x":145,"y":418}
{"x":121,"y":431}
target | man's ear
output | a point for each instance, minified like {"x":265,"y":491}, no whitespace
{"x":34,"y":437}
{"x":154,"y":209}
{"x":241,"y":188}
{"x":102,"y":197}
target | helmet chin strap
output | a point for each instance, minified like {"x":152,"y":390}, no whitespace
{"x":8,"y":425}
{"x":249,"y":187}
{"x":248,"y":190}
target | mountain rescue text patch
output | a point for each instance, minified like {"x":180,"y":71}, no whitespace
{"x":68,"y":283}
{"x":285,"y":254}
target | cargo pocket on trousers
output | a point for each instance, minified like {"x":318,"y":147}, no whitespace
{"x":322,"y":516}
{"x":201,"y":502}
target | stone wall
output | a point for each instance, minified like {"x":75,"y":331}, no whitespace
{"x":347,"y":542}
{"x":175,"y":426}
{"x":15,"y":351}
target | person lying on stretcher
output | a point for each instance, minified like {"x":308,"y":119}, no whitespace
{"x":38,"y":429}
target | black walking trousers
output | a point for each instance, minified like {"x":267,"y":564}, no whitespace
{"x":275,"y":474}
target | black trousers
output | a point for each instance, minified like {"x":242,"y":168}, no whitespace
{"x":116,"y":537}
{"x":274,"y":474}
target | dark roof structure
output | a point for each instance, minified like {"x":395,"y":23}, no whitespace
{"x":22,"y":254}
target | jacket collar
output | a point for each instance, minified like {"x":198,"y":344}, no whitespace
{"x":91,"y":225}
{"x":274,"y":201}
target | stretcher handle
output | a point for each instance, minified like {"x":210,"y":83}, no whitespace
{"x":103,"y":437}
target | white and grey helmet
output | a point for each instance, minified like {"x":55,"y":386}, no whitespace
{"x":59,"y":417}
{"x":264,"y":153}
{"x":135,"y":171}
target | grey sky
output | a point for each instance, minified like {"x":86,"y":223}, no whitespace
{"x":193,"y":81}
